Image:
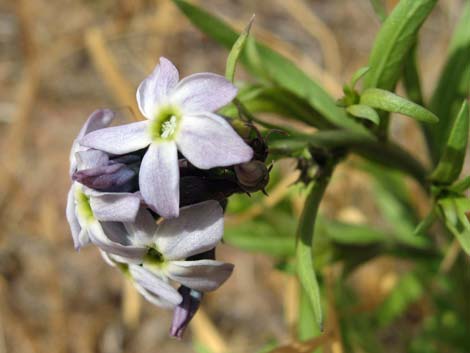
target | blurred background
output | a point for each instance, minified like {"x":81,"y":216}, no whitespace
{"x":62,"y":59}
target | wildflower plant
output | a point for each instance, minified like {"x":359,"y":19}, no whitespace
{"x":151,"y":194}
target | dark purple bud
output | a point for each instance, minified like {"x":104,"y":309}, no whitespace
{"x":252,"y":176}
{"x":195,"y":189}
{"x":185,"y":311}
{"x":113,"y":177}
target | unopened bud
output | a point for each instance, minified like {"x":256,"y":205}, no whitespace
{"x":252,"y":176}
{"x":185,"y":311}
{"x":116,"y":177}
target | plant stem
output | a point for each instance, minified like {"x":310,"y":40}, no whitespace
{"x":305,"y":233}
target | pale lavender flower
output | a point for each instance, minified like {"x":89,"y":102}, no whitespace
{"x":179,"y":118}
{"x":87,"y":208}
{"x":168,"y":246}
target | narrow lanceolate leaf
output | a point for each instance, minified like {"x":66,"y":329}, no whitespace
{"x":390,"y":102}
{"x":235,"y":52}
{"x":360,"y":73}
{"x":452,"y":87}
{"x":279,"y":69}
{"x":392,"y":44}
{"x":453,"y":156}
{"x":453,"y":211}
{"x":364,"y":112}
{"x":305,"y":233}
{"x":394,"y":40}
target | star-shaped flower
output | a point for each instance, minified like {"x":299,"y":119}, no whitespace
{"x":158,"y":254}
{"x":179,"y":118}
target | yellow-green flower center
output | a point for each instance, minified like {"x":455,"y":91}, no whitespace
{"x":83,"y":206}
{"x":166,"y":123}
{"x":154,"y":258}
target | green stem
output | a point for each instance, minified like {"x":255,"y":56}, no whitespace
{"x":305,"y":233}
{"x":385,"y":153}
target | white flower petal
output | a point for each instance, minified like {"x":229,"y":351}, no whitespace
{"x":202,"y":275}
{"x":159,"y":179}
{"x":197,"y":229}
{"x":75,"y":227}
{"x":119,"y":139}
{"x":156,"y":87}
{"x":203,"y":92}
{"x":142,"y":230}
{"x":112,"y":238}
{"x":208,"y":141}
{"x":153,"y":288}
{"x":114,"y":207}
{"x":91,"y":158}
{"x":99,"y":119}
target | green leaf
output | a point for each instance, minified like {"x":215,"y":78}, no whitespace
{"x":452,"y":87}
{"x":453,"y":212}
{"x":259,"y":236}
{"x":353,"y":234}
{"x":306,"y":327}
{"x":360,"y":73}
{"x":280,"y":70}
{"x":390,"y":102}
{"x":393,"y":42}
{"x":305,"y":233}
{"x":364,"y":112}
{"x":235,"y":52}
{"x":453,"y":156}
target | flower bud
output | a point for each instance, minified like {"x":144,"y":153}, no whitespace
{"x":185,"y":311}
{"x":252,"y":176}
{"x":113,"y":177}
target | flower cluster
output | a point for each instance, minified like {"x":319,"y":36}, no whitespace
{"x":150,"y":194}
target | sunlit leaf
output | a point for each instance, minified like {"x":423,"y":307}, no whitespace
{"x":235,"y":52}
{"x":392,"y":45}
{"x":394,"y":40}
{"x":390,"y":102}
